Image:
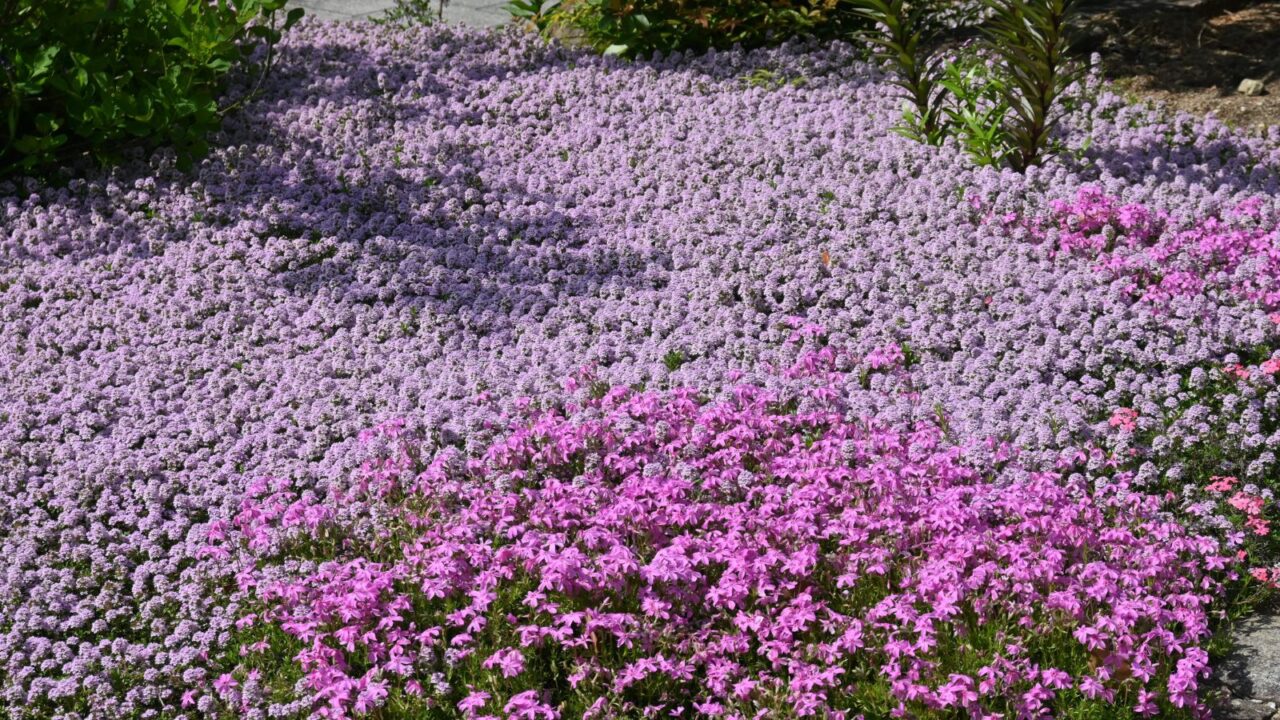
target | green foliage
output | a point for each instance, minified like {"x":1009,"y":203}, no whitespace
{"x":642,"y":27}
{"x":900,"y":43}
{"x":539,"y":12}
{"x":1002,"y":104}
{"x":978,"y":108}
{"x":1030,"y":36}
{"x":413,"y":12}
{"x":89,"y":76}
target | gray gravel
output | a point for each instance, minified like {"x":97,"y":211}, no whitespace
{"x":479,"y":13}
{"x":1251,"y":673}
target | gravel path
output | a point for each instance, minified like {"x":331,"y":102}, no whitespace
{"x":478,"y":13}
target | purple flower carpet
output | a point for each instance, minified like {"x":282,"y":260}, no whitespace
{"x":473,"y":377}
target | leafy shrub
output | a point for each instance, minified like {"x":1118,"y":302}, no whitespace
{"x":87,"y":75}
{"x":977,"y":107}
{"x":1003,"y":108}
{"x":642,"y":27}
{"x":1030,"y":37}
{"x":901,"y":44}
{"x":413,"y":12}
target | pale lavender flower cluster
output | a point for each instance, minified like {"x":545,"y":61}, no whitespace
{"x":410,"y":219}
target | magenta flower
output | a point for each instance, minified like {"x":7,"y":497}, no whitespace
{"x":473,"y":702}
{"x":528,"y":706}
{"x":225,"y":683}
{"x":509,"y":661}
{"x":675,"y":580}
{"x":1221,"y":484}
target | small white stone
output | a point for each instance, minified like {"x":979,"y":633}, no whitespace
{"x":1251,"y":88}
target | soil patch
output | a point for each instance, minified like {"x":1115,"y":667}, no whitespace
{"x":1191,"y":55}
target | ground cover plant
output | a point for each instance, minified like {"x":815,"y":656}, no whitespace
{"x":444,"y":227}
{"x":637,"y":554}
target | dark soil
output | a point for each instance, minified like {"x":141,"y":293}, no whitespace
{"x":1191,"y":55}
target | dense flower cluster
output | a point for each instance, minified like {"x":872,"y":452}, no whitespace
{"x":1238,"y":254}
{"x":409,"y":220}
{"x":652,"y":555}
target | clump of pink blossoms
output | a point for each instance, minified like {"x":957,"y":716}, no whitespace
{"x":1251,"y":505}
{"x":1236,"y":252}
{"x":650,"y":554}
{"x":1125,"y":419}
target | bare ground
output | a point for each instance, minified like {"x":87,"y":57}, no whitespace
{"x":1192,"y":57}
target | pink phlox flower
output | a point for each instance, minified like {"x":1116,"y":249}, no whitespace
{"x":959,"y":691}
{"x":1221,"y":484}
{"x":217,"y":552}
{"x":528,"y":706}
{"x":1258,"y":526}
{"x":1236,"y":370}
{"x":710,"y":708}
{"x":743,"y":688}
{"x":225,"y":683}
{"x":509,"y":661}
{"x":1269,"y":576}
{"x":1092,"y":688}
{"x":473,"y":702}
{"x":217,"y":531}
{"x":1125,"y":419}
{"x":1183,"y":682}
{"x":886,"y":356}
{"x":1247,"y":503}
{"x":370,"y":692}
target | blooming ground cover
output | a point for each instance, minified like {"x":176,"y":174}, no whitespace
{"x":698,"y":392}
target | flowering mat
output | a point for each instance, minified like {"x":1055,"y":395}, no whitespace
{"x":472,"y":377}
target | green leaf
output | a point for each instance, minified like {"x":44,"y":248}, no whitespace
{"x":39,"y":64}
{"x":520,"y":10}
{"x":47,"y":123}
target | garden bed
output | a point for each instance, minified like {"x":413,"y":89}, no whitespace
{"x":448,"y":227}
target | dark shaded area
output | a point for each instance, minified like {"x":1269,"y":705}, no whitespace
{"x":1190,"y":54}
{"x":472,"y":262}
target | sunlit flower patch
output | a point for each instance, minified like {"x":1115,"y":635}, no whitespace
{"x":440,"y":225}
{"x":649,"y":554}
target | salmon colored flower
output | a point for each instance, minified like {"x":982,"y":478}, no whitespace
{"x":1221,"y":484}
{"x":1236,"y":370}
{"x":1125,"y":418}
{"x":1246,"y":503}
